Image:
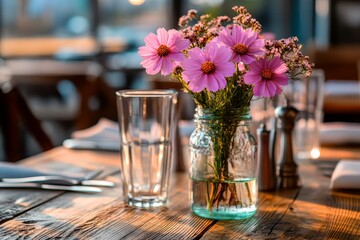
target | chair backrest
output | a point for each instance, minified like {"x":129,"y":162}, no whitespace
{"x":43,"y":75}
{"x":338,"y":62}
{"x":14,"y":112}
{"x":358,"y":68}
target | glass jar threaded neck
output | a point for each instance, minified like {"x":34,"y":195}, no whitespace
{"x":232,"y":114}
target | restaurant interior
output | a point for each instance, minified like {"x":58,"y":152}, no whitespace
{"x":61,"y":62}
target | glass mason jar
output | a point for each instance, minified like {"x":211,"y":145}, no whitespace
{"x":223,"y":165}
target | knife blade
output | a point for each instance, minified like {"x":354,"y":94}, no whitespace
{"x":51,"y":187}
{"x":58,"y":180}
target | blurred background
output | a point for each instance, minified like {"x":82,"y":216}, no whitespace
{"x":62,"y":60}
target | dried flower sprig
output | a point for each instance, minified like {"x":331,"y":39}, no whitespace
{"x":204,"y":30}
{"x":289,"y":50}
{"x":244,"y":19}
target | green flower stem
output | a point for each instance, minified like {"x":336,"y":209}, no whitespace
{"x":223,"y":131}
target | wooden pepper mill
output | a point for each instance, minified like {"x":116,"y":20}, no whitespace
{"x":288,"y":174}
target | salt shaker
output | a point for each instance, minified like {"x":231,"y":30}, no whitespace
{"x":266,"y":172}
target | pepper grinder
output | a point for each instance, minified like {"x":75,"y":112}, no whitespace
{"x":266,"y":166}
{"x":288,"y":174}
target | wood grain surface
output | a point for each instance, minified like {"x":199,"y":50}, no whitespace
{"x":310,"y":212}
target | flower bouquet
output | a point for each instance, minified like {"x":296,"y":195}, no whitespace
{"x":223,"y":63}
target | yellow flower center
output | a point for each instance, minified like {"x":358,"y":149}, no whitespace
{"x":163,"y":50}
{"x":266,"y":74}
{"x":240,"y":48}
{"x":208,"y":67}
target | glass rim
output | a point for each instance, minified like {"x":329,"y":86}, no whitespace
{"x":146,"y":93}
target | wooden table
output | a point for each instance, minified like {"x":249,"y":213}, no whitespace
{"x":310,"y":212}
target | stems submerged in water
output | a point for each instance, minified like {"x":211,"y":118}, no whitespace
{"x":223,"y":138}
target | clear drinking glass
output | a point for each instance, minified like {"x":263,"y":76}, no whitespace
{"x":147,"y":126}
{"x":308,"y":95}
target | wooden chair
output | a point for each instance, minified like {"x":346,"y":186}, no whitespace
{"x":84,"y":75}
{"x":338,"y":62}
{"x":45,"y":74}
{"x":358,"y":68}
{"x":14,"y":111}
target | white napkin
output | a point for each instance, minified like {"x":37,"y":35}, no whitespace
{"x":346,"y":175}
{"x":102,"y":136}
{"x":342,"y":88}
{"x":340,"y":133}
{"x":104,"y":130}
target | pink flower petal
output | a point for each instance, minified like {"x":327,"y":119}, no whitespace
{"x":247,"y":59}
{"x":238,"y":34}
{"x":181,"y":45}
{"x":259,"y":90}
{"x":222,"y":55}
{"x":146,"y":51}
{"x":225,"y":37}
{"x":198,"y":84}
{"x":166,"y":66}
{"x":149,"y":61}
{"x":162,"y":35}
{"x":252,"y":79}
{"x":250,"y":38}
{"x":220,"y":79}
{"x":192,"y":76}
{"x":282,"y":79}
{"x":256,"y":66}
{"x":211,"y":83}
{"x":157,"y":65}
{"x":280,"y":69}
{"x":197,"y":55}
{"x":271,"y":88}
{"x":275,"y":63}
{"x":176,"y":56}
{"x":191,"y":67}
{"x":173,"y":37}
{"x":152,"y":41}
{"x":227,"y":69}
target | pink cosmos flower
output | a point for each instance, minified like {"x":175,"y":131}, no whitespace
{"x":161,"y":50}
{"x":208,"y":68}
{"x":244,"y":44}
{"x":267,"y":76}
